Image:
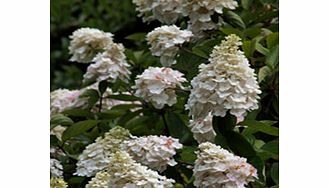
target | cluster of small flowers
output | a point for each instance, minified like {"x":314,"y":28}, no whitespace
{"x":87,"y":42}
{"x":62,"y":99}
{"x":226,"y":83}
{"x":101,"y":180}
{"x":92,"y":45}
{"x":157,"y":85}
{"x":56,"y":168}
{"x":109,"y":65}
{"x":199,"y":12}
{"x":56,"y":182}
{"x":216,"y":167}
{"x":156,"y":152}
{"x":166,"y":11}
{"x":165,"y":40}
{"x":202,"y":129}
{"x":124,"y":172}
{"x":95,"y":157}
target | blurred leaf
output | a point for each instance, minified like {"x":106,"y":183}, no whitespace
{"x":125,"y":106}
{"x":263,"y":73}
{"x":92,"y":96}
{"x":221,"y":141}
{"x":188,"y":154}
{"x":272,"y":147}
{"x":177,"y":127}
{"x":262,"y":127}
{"x":102,"y":86}
{"x":235,"y":19}
{"x":79,"y":128}
{"x":111,"y":114}
{"x":124,"y":97}
{"x":258,"y":163}
{"x":272,"y":40}
{"x":60,"y":119}
{"x":239,"y":145}
{"x":272,"y":58}
{"x":275,"y":172}
{"x":261,"y":49}
{"x":137,"y":123}
{"x":136,"y":36}
{"x":78,"y":113}
{"x":249,"y":47}
{"x":246,"y":4}
{"x":223,"y":124}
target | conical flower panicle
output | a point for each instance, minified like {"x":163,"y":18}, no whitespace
{"x":216,"y":167}
{"x":227,"y":83}
{"x":125,"y":172}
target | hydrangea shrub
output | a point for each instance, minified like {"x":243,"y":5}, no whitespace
{"x":191,"y":100}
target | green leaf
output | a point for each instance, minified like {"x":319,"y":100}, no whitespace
{"x":235,"y":19}
{"x":79,"y":128}
{"x":223,"y":124}
{"x":272,"y":147}
{"x":123,"y":97}
{"x":111,"y":114}
{"x":275,"y":173}
{"x":221,"y":140}
{"x":259,"y":164}
{"x":261,"y":49}
{"x":246,"y":4}
{"x":263,"y":73}
{"x":272,"y":59}
{"x":187,"y":155}
{"x":78,"y":113}
{"x":272,"y":40}
{"x":197,"y":50}
{"x":126,"y":106}
{"x":177,"y":127}
{"x":92,"y":96}
{"x":102,"y":86}
{"x":60,"y":119}
{"x":130,"y":55}
{"x":249,"y":48}
{"x":137,"y":123}
{"x":136,"y":37}
{"x":260,"y":126}
{"x":204,"y":48}
{"x":239,"y":145}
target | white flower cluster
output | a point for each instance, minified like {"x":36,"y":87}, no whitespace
{"x":95,"y":157}
{"x":124,"y":172}
{"x":87,"y":42}
{"x":157,"y":85}
{"x":166,"y":11}
{"x":110,"y":65}
{"x":226,"y":83}
{"x":156,"y":152}
{"x":56,"y":182}
{"x":202,"y":129}
{"x":62,"y":99}
{"x":56,"y":168}
{"x":216,"y":167}
{"x":165,"y":40}
{"x":201,"y":11}
{"x":101,"y":180}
